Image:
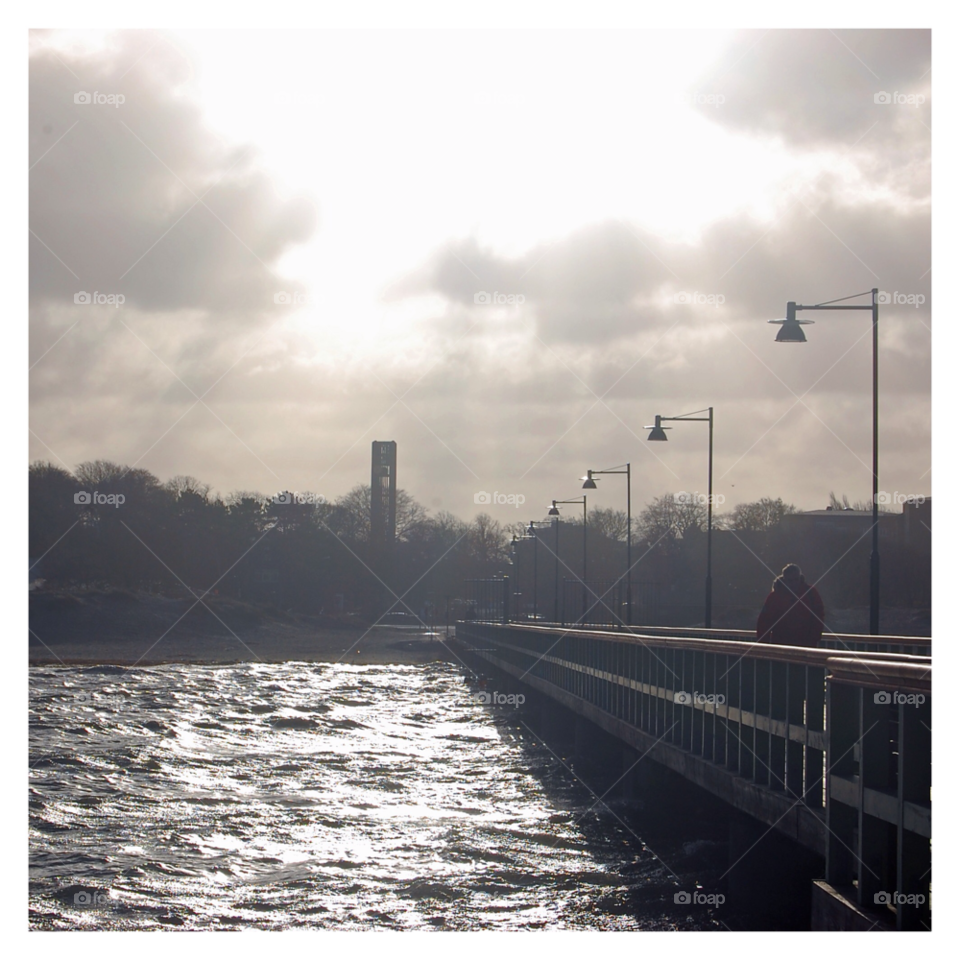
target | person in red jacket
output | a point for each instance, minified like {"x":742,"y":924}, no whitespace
{"x":792,"y":614}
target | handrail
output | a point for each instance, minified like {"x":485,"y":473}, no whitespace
{"x":728,"y":634}
{"x":762,"y":651}
{"x":873,"y":673}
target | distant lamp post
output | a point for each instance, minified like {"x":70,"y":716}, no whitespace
{"x":515,"y":561}
{"x":532,"y":535}
{"x":589,"y":483}
{"x":554,"y":512}
{"x":791,"y":332}
{"x":657,"y":432}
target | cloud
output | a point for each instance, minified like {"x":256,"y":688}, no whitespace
{"x":609,"y":325}
{"x":863,"y":93}
{"x":139,"y":198}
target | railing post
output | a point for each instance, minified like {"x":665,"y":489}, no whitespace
{"x":843,"y":725}
{"x":913,"y":786}
{"x":872,"y":833}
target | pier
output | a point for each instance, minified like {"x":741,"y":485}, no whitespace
{"x":829,"y":747}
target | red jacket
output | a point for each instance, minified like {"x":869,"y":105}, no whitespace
{"x":795,"y":619}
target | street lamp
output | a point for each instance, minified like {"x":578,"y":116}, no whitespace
{"x":589,"y":483}
{"x":554,"y":512}
{"x":657,"y":432}
{"x":515,"y":561}
{"x":791,"y":332}
{"x":532,"y":535}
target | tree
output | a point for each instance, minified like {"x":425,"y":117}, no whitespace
{"x":669,"y":519}
{"x":608,"y":522}
{"x":866,"y":506}
{"x":762,"y":514}
{"x":487,"y":540}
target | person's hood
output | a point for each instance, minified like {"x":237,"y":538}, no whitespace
{"x":781,"y":586}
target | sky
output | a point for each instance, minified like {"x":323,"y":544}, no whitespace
{"x":254,"y":252}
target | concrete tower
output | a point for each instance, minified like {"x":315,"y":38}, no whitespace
{"x":383,"y":494}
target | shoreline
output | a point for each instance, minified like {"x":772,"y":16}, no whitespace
{"x":111,"y":628}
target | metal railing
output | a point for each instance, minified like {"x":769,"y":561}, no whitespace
{"x":878,"y":803}
{"x":726,"y":714}
{"x":487,"y":599}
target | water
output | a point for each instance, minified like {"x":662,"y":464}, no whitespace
{"x":314,"y":795}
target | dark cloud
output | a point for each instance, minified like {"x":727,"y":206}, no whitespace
{"x":820,"y":89}
{"x":140,"y":198}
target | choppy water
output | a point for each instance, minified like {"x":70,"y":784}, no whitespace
{"x":291,"y":795}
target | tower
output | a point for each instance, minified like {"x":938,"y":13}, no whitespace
{"x":383,"y":495}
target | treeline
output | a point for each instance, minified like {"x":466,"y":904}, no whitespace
{"x":111,"y":525}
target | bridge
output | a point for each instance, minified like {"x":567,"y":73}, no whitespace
{"x":830,"y":746}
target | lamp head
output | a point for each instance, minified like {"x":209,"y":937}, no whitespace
{"x":657,"y":432}
{"x":553,"y":511}
{"x":531,"y":530}
{"x":791,"y":330}
{"x":588,"y":482}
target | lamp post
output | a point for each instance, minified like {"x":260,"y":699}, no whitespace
{"x":589,"y":483}
{"x":554,"y":512}
{"x":532,"y":535}
{"x":791,"y":331}
{"x":657,"y":432}
{"x":515,"y":561}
